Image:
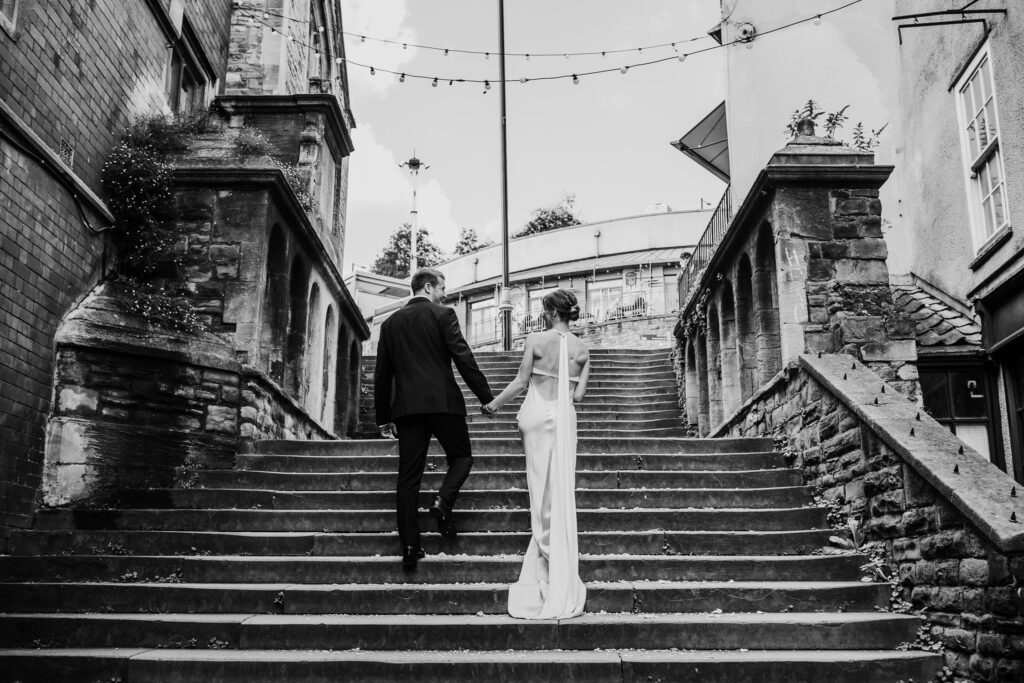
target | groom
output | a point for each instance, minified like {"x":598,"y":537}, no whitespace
{"x":415,"y":392}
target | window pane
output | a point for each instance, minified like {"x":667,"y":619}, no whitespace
{"x":969,"y":394}
{"x":990,"y":118}
{"x":977,"y":99}
{"x":997,"y":207}
{"x":976,"y":436}
{"x":983,"y":129}
{"x":983,"y":180}
{"x":986,"y":209}
{"x":935,"y":390}
{"x":985,"y":78}
{"x":972,"y":140}
{"x":993,"y":170}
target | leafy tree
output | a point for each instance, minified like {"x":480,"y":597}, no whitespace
{"x":469,"y":241}
{"x":551,"y":218}
{"x":393,"y":259}
{"x":862,"y":139}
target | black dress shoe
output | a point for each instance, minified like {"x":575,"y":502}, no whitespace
{"x":410,"y":554}
{"x":442,"y":512}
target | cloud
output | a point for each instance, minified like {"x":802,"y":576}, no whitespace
{"x":383,"y":19}
{"x":380,"y":198}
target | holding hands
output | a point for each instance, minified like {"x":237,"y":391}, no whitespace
{"x":489,"y":409}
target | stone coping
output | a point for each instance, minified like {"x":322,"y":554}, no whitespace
{"x":975,"y":487}
{"x":249,"y":372}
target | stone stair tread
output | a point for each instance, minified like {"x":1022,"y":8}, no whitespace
{"x":481,"y":586}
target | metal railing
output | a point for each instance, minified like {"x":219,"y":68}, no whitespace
{"x":630,"y":305}
{"x":706,"y":246}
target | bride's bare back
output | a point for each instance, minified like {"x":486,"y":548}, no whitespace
{"x":545,"y":359}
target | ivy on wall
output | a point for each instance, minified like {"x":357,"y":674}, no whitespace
{"x":138,"y":181}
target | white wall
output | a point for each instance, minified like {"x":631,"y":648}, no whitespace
{"x":622,"y":235}
{"x":852,"y":58}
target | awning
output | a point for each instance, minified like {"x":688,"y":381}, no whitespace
{"x":707,"y":143}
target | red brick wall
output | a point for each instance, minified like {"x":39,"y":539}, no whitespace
{"x":77,"y":70}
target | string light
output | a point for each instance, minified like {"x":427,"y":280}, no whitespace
{"x":817,"y":20}
{"x":339,"y":60}
{"x":575,"y":79}
{"x":680,"y":56}
{"x":434,"y":82}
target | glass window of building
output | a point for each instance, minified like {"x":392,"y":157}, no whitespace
{"x":960,"y":397}
{"x":983,"y":158}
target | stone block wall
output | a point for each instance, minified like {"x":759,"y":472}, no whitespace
{"x":967,"y":587}
{"x":267,"y":412}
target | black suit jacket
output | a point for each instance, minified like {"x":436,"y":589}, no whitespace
{"x":414,"y":364}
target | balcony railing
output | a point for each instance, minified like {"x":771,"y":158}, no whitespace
{"x":649,"y":303}
{"x":706,"y":247}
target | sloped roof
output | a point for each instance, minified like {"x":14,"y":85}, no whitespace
{"x":936,"y":323}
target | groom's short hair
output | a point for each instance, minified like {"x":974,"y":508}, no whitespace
{"x":425,"y":276}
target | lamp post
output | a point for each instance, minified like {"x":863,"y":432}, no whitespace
{"x":415,"y":166}
{"x":505,"y":300}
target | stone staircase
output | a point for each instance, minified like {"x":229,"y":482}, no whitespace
{"x":703,"y":561}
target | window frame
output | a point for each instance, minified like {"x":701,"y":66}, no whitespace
{"x":974,"y":163}
{"x":185,"y":66}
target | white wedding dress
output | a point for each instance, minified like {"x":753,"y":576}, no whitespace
{"x":549,"y":585}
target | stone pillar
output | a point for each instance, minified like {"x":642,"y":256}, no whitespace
{"x":834,"y":293}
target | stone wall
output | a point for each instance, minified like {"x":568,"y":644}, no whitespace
{"x":73,"y":75}
{"x":940,"y":512}
{"x":139,"y":408}
{"x":654,"y":332}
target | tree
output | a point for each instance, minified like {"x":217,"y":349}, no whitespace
{"x":393,"y":259}
{"x":469,"y":241}
{"x":551,"y":218}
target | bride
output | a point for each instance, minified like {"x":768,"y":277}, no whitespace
{"x":555,"y":367}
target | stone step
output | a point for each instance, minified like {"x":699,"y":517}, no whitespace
{"x":134,"y":542}
{"x":140,"y":665}
{"x":500,"y":479}
{"x":598,"y":383}
{"x":490,"y":598}
{"x":609,"y":398}
{"x":476,"y":432}
{"x":585,"y":413}
{"x":506,"y":422}
{"x":433,"y":569}
{"x":824,"y":631}
{"x":376,"y":521}
{"x":469,"y":499}
{"x":511,"y":460}
{"x":677,"y":446}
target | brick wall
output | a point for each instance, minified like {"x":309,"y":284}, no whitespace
{"x":75,"y":72}
{"x":893,"y":483}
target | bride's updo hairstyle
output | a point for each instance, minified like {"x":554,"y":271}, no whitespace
{"x":563,"y":303}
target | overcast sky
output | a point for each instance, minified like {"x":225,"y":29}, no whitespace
{"x":605,"y":140}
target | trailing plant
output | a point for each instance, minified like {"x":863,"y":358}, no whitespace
{"x":863,"y":139}
{"x":139,"y":185}
{"x":297,"y":182}
{"x":250,"y":142}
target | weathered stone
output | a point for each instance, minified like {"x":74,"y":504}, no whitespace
{"x":974,"y":572}
{"x":78,"y":401}
{"x":221,"y":419}
{"x":857,"y":271}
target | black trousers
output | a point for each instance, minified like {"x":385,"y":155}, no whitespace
{"x":414,"y":432}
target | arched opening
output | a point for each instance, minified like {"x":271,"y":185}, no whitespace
{"x":692,"y":383}
{"x":714,"y":346}
{"x":746,"y":338}
{"x":348,"y":415}
{"x":314,"y":352}
{"x":298,"y":281}
{"x":730,"y":357}
{"x":327,"y":369}
{"x":769,"y":346}
{"x":274,"y":322}
{"x":700,"y":349}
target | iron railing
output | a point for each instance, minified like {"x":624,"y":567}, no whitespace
{"x":649,"y":302}
{"x":706,"y":246}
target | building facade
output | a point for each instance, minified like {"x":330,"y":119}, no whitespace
{"x":260,"y":249}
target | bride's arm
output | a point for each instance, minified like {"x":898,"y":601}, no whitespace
{"x":521,"y":380}
{"x":581,"y":387}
